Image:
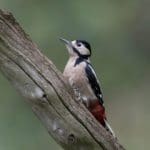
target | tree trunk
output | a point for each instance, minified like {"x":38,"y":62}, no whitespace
{"x":51,"y":98}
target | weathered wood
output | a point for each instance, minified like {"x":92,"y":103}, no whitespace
{"x":51,"y":98}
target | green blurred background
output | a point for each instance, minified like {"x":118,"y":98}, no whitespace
{"x":119,"y":32}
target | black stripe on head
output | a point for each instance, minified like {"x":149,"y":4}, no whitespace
{"x":80,"y":55}
{"x":85,"y":43}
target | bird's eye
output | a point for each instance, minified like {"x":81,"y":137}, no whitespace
{"x":79,"y":44}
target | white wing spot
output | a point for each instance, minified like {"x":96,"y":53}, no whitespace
{"x":100,"y":95}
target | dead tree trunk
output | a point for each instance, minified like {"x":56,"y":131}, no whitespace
{"x":37,"y":79}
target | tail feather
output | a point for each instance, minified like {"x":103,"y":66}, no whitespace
{"x":98,"y":112}
{"x":108,"y":128}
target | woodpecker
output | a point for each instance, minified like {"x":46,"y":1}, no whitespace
{"x":82,"y":77}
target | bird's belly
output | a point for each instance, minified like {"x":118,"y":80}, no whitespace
{"x":79,"y":81}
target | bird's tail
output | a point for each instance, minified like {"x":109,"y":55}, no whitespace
{"x":98,"y":112}
{"x":108,"y":128}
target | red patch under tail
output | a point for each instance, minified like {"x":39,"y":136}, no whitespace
{"x":98,"y":112}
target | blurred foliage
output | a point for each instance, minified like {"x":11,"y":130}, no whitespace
{"x":119,"y":34}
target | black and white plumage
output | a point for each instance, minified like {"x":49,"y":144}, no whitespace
{"x":90,"y":73}
{"x":82,"y":77}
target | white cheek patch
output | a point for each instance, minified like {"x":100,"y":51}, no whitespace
{"x":84,"y":51}
{"x":81,"y":49}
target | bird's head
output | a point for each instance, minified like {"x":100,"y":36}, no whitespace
{"x":78,"y":48}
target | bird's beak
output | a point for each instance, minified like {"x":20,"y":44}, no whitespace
{"x":68,"y":43}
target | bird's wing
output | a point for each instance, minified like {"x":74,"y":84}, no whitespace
{"x":94,"y":83}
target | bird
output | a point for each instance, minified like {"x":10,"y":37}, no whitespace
{"x":81,"y":76}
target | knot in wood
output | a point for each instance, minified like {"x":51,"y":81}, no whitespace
{"x":71,"y":138}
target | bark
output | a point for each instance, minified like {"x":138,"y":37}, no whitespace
{"x":37,"y":79}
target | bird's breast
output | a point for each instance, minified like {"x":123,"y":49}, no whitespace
{"x":75,"y":74}
{"x":77,"y":78}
